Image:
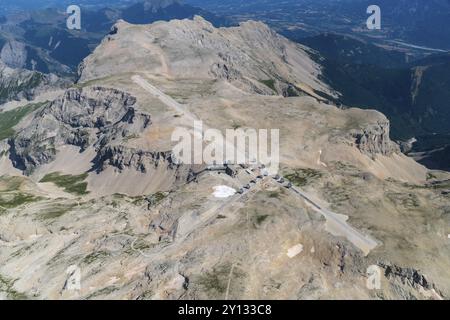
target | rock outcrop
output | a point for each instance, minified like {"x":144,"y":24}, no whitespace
{"x":122,"y":157}
{"x":81,"y":117}
{"x":410,"y":276}
{"x":252,"y":56}
{"x":405,"y":279}
{"x":14,"y":54}
{"x":374,"y":139}
{"x":16,"y":84}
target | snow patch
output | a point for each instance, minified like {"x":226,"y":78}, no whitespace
{"x":223,"y":192}
{"x":295,"y":250}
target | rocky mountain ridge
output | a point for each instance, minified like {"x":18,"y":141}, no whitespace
{"x":83,"y":118}
{"x":251,"y":56}
{"x":101,"y":193}
{"x":17,"y":84}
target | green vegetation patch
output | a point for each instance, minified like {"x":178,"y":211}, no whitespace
{"x":7,"y":286}
{"x":337,"y":195}
{"x":56,"y":211}
{"x":94,"y":256}
{"x":70,"y":183}
{"x":141,"y":244}
{"x":407,"y":200}
{"x":156,"y":198}
{"x":9,"y":119}
{"x":291,"y":92}
{"x":431,"y":176}
{"x":438,"y":185}
{"x":130,"y":137}
{"x":236,"y":125}
{"x":102,"y":292}
{"x":20,"y":252}
{"x":12,"y":200}
{"x":269,"y":83}
{"x":217,"y":279}
{"x":257,"y":218}
{"x":277,"y":194}
{"x":261,"y":218}
{"x":302,"y":177}
{"x":138,"y":200}
{"x":11,"y":89}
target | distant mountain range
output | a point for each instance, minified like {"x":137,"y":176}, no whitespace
{"x":421,"y":22}
{"x":11,"y":6}
{"x":414,"y":95}
{"x":416,"y":92}
{"x":44,"y":43}
{"x":150,"y":11}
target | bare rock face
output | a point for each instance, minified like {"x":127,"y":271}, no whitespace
{"x":122,"y":157}
{"x":410,"y":276}
{"x":406,"y":281}
{"x":374,"y":139}
{"x":252,"y":56}
{"x":81,"y":117}
{"x":14,"y":54}
{"x":16,"y":84}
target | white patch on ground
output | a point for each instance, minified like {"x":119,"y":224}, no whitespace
{"x":223,"y":192}
{"x":295,"y":250}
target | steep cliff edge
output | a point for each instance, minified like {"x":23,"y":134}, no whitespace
{"x":374,"y":139}
{"x":82,"y":118}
